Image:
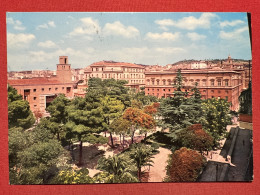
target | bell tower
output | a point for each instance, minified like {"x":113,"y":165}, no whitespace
{"x":63,"y":70}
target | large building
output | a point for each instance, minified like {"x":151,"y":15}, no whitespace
{"x":133,"y":73}
{"x":40,"y":91}
{"x":225,"y":79}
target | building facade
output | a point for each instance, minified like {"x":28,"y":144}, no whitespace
{"x":40,"y":91}
{"x":133,"y":73}
{"x":225,"y":79}
{"x":225,"y":84}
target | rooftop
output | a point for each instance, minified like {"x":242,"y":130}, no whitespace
{"x":113,"y":63}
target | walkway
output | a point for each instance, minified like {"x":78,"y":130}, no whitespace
{"x":157,"y":171}
{"x":240,"y":156}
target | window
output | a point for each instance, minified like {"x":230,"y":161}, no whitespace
{"x":158,"y":82}
{"x":49,"y":89}
{"x":148,"y":89}
{"x":226,"y":82}
{"x":56,"y":88}
{"x":96,"y":69}
{"x":163,"y":89}
{"x":62,"y":88}
{"x":164,"y":82}
{"x":152,"y":82}
{"x":204,"y":82}
{"x":157,"y":89}
{"x":169,"y":89}
{"x":226,"y":91}
{"x":212,"y":91}
{"x":34,"y":98}
{"x":42,"y":89}
{"x":34,"y":90}
{"x":212,"y":82}
{"x":219,"y":82}
{"x":219,"y":91}
{"x":212,"y":96}
{"x":35,"y":105}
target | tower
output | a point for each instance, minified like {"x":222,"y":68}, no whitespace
{"x":63,"y":70}
{"x":229,"y":59}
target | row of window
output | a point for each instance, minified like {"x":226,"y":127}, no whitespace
{"x":124,"y":69}
{"x":169,"y":82}
{"x":49,"y":89}
{"x":203,"y":97}
{"x":119,"y":76}
{"x":204,"y":91}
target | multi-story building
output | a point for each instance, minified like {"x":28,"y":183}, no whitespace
{"x":225,"y":84}
{"x":133,"y":73}
{"x":40,"y":91}
{"x":225,"y":79}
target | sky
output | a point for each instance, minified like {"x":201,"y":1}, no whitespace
{"x":35,"y":40}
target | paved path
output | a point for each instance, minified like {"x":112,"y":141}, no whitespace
{"x":157,"y":171}
{"x":240,"y":156}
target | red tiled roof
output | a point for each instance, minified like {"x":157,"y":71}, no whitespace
{"x":33,"y":81}
{"x":112,"y":63}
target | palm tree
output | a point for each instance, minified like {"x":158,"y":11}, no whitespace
{"x":118,"y":169}
{"x":141,"y":154}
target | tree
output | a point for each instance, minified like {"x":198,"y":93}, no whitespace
{"x":138,"y":119}
{"x":112,"y":108}
{"x":111,"y":87}
{"x":144,"y":99}
{"x":181,"y":111}
{"x":19,"y":113}
{"x":120,"y":126}
{"x":71,"y":176}
{"x":216,"y":117}
{"x":36,"y":157}
{"x":57,"y":109}
{"x":184,"y":165}
{"x":194,"y":137}
{"x":55,"y":128}
{"x":141,"y":155}
{"x":118,"y":169}
{"x":85,"y":116}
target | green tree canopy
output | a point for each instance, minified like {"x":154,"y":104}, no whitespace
{"x":19,"y":113}
{"x":117,"y":169}
{"x":216,"y":117}
{"x":194,"y":137}
{"x":142,"y":156}
{"x":34,"y":156}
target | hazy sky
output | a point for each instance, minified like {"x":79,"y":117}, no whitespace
{"x":36,"y":40}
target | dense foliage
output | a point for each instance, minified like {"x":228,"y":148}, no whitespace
{"x":19,"y":113}
{"x":184,"y":165}
{"x":34,"y":156}
{"x":216,"y":117}
{"x":194,"y":137}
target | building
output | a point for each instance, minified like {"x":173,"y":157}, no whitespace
{"x":133,"y":73}
{"x":221,"y":79}
{"x":225,"y":84}
{"x":40,"y":91}
{"x":225,"y":80}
